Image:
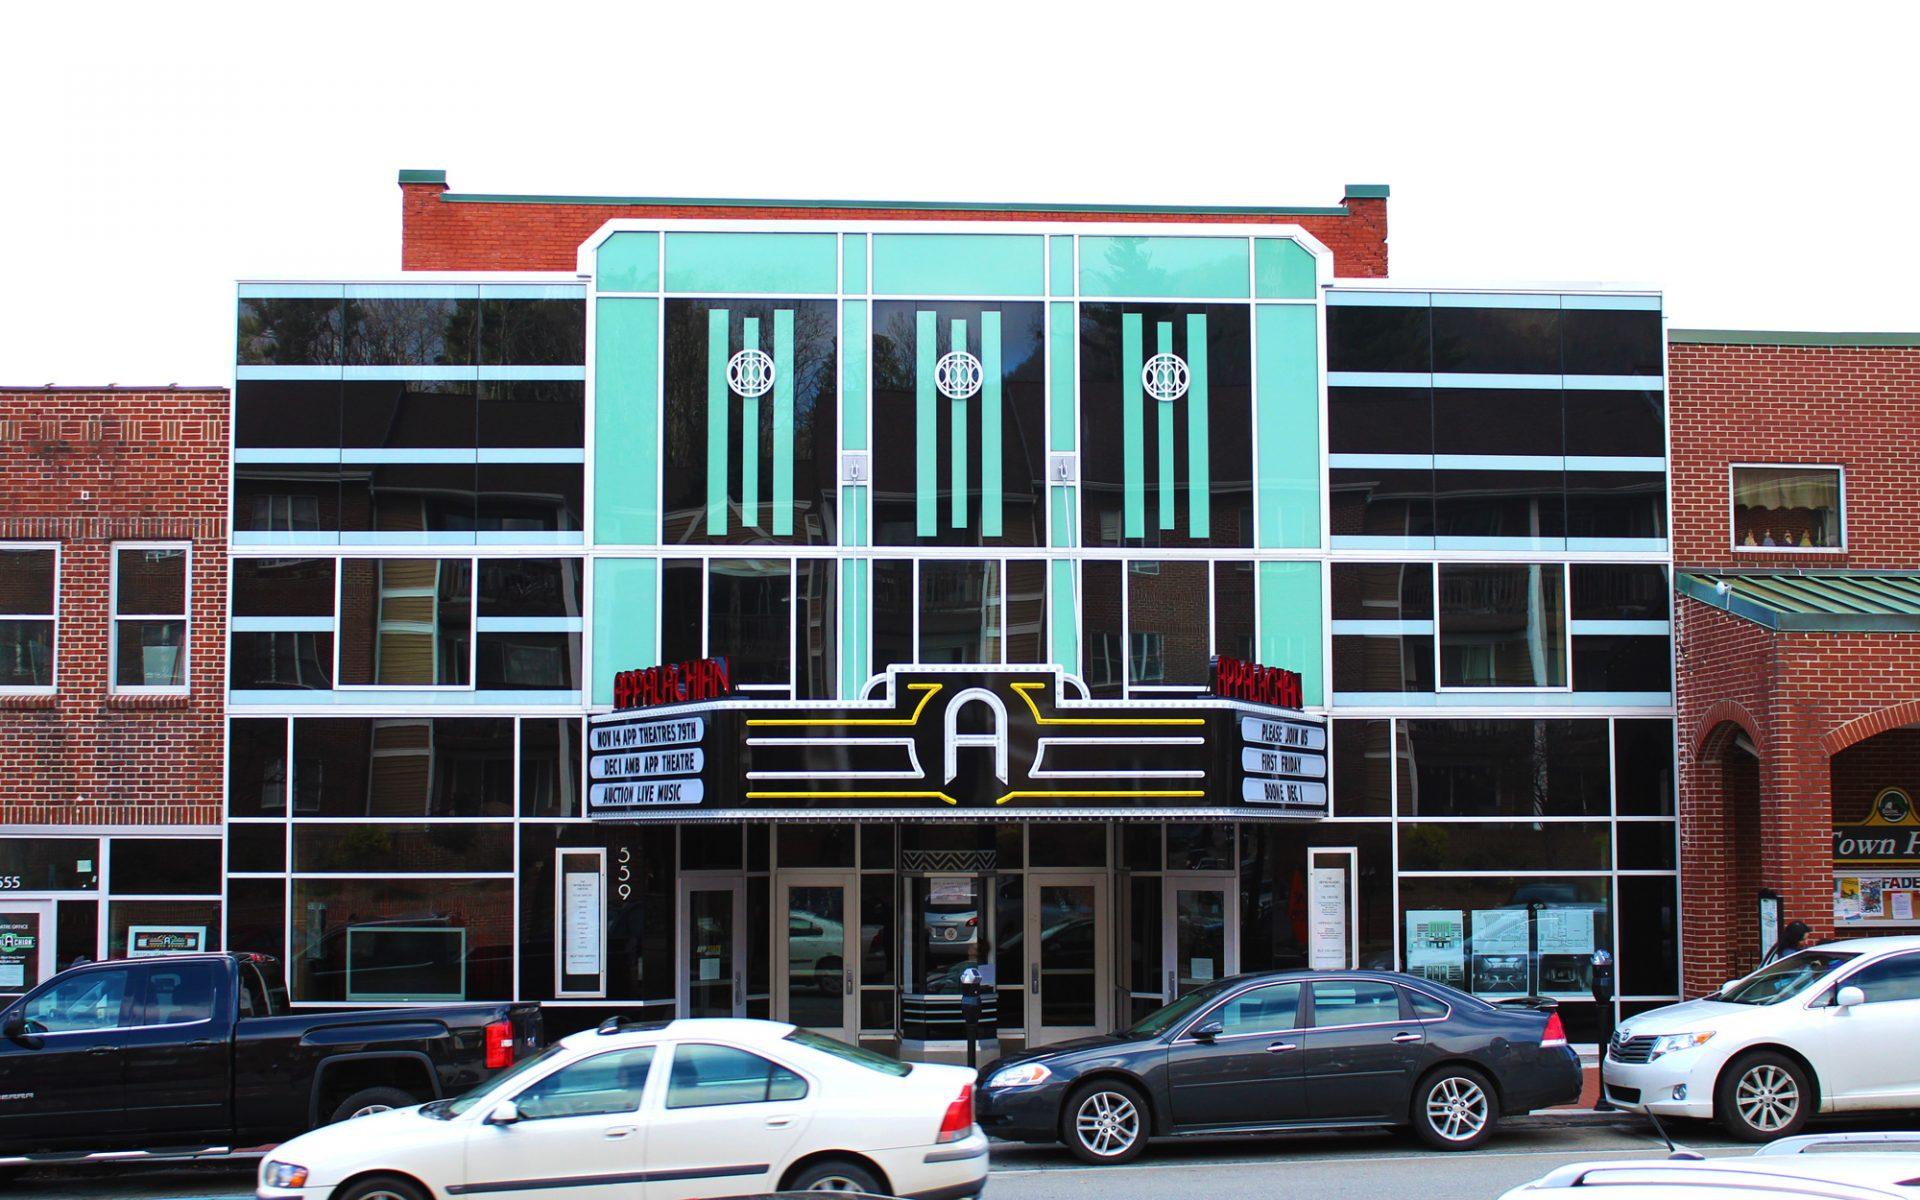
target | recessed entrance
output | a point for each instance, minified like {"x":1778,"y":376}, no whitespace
{"x":713,"y":945}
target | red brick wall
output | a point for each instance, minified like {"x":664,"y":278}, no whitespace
{"x":86,"y":469}
{"x":439,"y":235}
{"x":1858,"y":407}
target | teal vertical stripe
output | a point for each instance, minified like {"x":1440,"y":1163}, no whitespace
{"x":959,"y":432}
{"x":1063,"y":522}
{"x":853,"y":626}
{"x":1164,"y":340}
{"x":626,"y":624}
{"x":718,"y":334}
{"x":1063,"y":631}
{"x":782,"y":422}
{"x":853,"y":375}
{"x":1061,"y":378}
{"x":1288,"y":420}
{"x":1199,"y":464}
{"x":853,"y":263}
{"x":626,"y":422}
{"x":990,"y":424}
{"x":926,"y":454}
{"x":1133,"y":430}
{"x":750,"y":437}
{"x":1290,"y":627}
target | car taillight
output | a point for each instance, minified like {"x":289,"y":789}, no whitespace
{"x":959,"y":1119}
{"x":499,"y":1045}
{"x":1555,"y":1033}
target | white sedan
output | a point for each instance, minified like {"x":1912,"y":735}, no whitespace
{"x":1828,"y":1029}
{"x":1856,"y":1166}
{"x":666,"y":1111}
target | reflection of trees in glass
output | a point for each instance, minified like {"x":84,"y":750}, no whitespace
{"x":283,"y":330}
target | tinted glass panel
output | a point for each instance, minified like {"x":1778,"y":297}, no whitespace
{"x":281,"y":660}
{"x":372,"y":940}
{"x":1649,"y":936}
{"x":1503,"y":626}
{"x":1382,"y":664}
{"x":816,"y":626}
{"x":816,"y":845}
{"x":1200,"y":847}
{"x":1362,"y":785}
{"x":1616,"y":423}
{"x":1102,"y":656}
{"x":282,"y":587}
{"x":257,"y":767}
{"x":26,"y":653}
{"x":533,"y":332}
{"x":149,"y":653}
{"x":1165,"y":603}
{"x":529,"y":587}
{"x":1115,"y":341}
{"x":1619,"y":592}
{"x":599,"y":1086}
{"x":1379,"y":420}
{"x":549,"y":767}
{"x":1271,"y":1009}
{"x":411,"y":330}
{"x":177,"y":993}
{"x":681,"y":583}
{"x":52,"y":864}
{"x":286,"y":412}
{"x":289,"y":332}
{"x":257,"y":916}
{"x":1622,"y":664}
{"x":1502,"y":937}
{"x":1497,"y":340}
{"x":1786,"y":506}
{"x":1067,"y":845}
{"x":528,"y":661}
{"x":409,"y":497}
{"x":1498,"y":846}
{"x":1233,"y":609}
{"x":287,"y":497}
{"x":531,"y":497}
{"x":26,"y":582}
{"x":1518,"y":504}
{"x":1503,"y":768}
{"x":1646,"y":845}
{"x":1616,"y":504}
{"x":893,"y":613}
{"x":405,"y":621}
{"x":1354,"y":1002}
{"x":1381,"y":503}
{"x":1602,"y":341}
{"x":150,"y":582}
{"x":960,"y":605}
{"x":900,"y":360}
{"x":449,"y":848}
{"x":1363,"y":337}
{"x":748,"y":602}
{"x":404,"y":414}
{"x":90,"y":1000}
{"x":532,"y":413}
{"x":704,"y":1076}
{"x":257,"y":847}
{"x":166,"y":866}
{"x":1496,"y":421}
{"x":403,"y":766}
{"x":705,"y":489}
{"x":1643,"y":765}
{"x":1382,"y":591}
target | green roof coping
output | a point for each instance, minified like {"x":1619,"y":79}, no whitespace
{"x":1783,"y":337}
{"x":427,"y":175}
{"x":1811,"y":601}
{"x":1337,"y":210}
{"x":1367,"y":191}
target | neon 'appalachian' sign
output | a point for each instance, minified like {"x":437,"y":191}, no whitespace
{"x":673,"y":683}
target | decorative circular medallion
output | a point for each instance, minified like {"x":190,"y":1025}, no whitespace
{"x":750,"y":373}
{"x":957,"y":375}
{"x":1165,"y":377}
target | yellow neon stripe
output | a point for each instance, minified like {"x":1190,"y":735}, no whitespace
{"x":1098,"y":795}
{"x":1040,"y":720}
{"x":928,"y":688}
{"x":854,"y":796}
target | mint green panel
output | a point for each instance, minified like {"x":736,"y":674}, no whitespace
{"x":1164,"y":266}
{"x":1063,"y":522}
{"x":1163,"y":344}
{"x":1061,"y":378}
{"x":718,"y":409}
{"x":1063,"y":629}
{"x":1288,"y":421}
{"x":853,"y":263}
{"x":1283,"y":269}
{"x":626,"y":422}
{"x":853,"y":375}
{"x":853,"y":517}
{"x":790,"y":264}
{"x":1199,"y":456}
{"x":628,"y":262}
{"x":1061,"y":271}
{"x":1290,"y":622}
{"x":959,"y":264}
{"x":853,"y":625}
{"x":782,"y":422}
{"x":958,"y":407}
{"x":626,"y":619}
{"x":750,"y":438}
{"x":1133,"y":430}
{"x":926,"y":446}
{"x":990,"y":456}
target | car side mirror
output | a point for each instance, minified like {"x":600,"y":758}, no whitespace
{"x":1847,"y":997}
{"x":504,"y":1113}
{"x":18,"y":1029}
{"x":1206,"y":1033}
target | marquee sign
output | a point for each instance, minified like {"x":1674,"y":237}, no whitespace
{"x":673,"y":683}
{"x":959,"y":743}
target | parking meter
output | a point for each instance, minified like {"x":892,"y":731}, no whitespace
{"x":976,"y":980}
{"x":1602,"y":986}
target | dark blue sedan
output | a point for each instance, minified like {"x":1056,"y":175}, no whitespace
{"x":1288,"y":1050}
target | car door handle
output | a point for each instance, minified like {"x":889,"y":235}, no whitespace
{"x":103,"y":1050}
{"x":779,"y":1122}
{"x":1281,"y":1047}
{"x":1404,"y":1038}
{"x":619,"y":1133}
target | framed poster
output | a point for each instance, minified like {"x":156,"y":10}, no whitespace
{"x":145,"y":941}
{"x":580,"y":921}
{"x":1437,"y":944}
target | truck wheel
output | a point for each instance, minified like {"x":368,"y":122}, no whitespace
{"x":367,"y":1101}
{"x":382,"y":1187}
{"x":1763,"y":1096}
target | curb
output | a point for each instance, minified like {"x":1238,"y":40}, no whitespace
{"x":1560,"y":1118}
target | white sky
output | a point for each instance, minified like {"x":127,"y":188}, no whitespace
{"x":1758,"y":164}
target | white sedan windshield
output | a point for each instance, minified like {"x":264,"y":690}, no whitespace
{"x":1778,"y":980}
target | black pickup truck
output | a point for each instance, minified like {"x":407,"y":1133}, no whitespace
{"x":198,"y":1055}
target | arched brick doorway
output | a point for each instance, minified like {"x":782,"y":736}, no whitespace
{"x":1721,"y":833}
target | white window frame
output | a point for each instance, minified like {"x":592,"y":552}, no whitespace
{"x":115,"y":617}
{"x":1733,"y":538}
{"x":1440,"y":683}
{"x":31,"y":689}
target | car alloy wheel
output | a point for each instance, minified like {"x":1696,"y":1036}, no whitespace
{"x":1457,"y":1108}
{"x":1107,"y":1123}
{"x":1767,"y":1097}
{"x":367,"y":1110}
{"x":836,"y":1183}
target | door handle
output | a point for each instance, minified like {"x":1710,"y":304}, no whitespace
{"x":619,"y":1133}
{"x":1404,"y":1038}
{"x":849,"y":975}
{"x":1281,"y":1047}
{"x":779,"y":1122}
{"x":1173,"y":987}
{"x":1033,"y":979}
{"x":103,"y":1050}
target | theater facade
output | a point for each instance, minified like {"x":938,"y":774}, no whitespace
{"x":771,"y":610}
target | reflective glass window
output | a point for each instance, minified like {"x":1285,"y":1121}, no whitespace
{"x":1369,"y":663}
{"x":449,"y":847}
{"x":414,"y":940}
{"x":893,"y":613}
{"x":286,"y":412}
{"x":1603,"y":341}
{"x":549,"y":767}
{"x":1503,"y":625}
{"x":404,"y":414}
{"x":282,"y":587}
{"x":1503,"y":768}
{"x":1616,"y":504}
{"x":1516,"y":504}
{"x":27,"y":588}
{"x":287,"y":331}
{"x":1501,"y":937}
{"x":412,"y":330}
{"x":1643,"y":767}
{"x":1649,"y":935}
{"x":749,"y":610}
{"x":603,"y":1085}
{"x":682,"y":599}
{"x":1380,"y":502}
{"x":405,"y":621}
{"x":1102,"y":649}
{"x":529,"y":587}
{"x":1366,"y":337}
{"x":1497,"y":421}
{"x":288,"y":497}
{"x":257,"y":767}
{"x":150,"y":617}
{"x":1233,"y":609}
{"x":530,"y":497}
{"x":1339,"y":1002}
{"x":1619,"y":592}
{"x":1382,"y":591}
{"x":1787,"y":507}
{"x":1496,"y":340}
{"x":1271,"y":1009}
{"x":1379,"y":420}
{"x":1362,"y":780}
{"x":1647,"y":845}
{"x":532,"y":413}
{"x":528,"y":332}
{"x":526,"y":660}
{"x":816,"y":628}
{"x":1504,"y":846}
{"x":403,"y":766}
{"x":1167,"y":604}
{"x":89,"y":1000}
{"x":960,"y":611}
{"x":705,"y":1076}
{"x":1625,"y":423}
{"x":1609,"y":663}
{"x":258,"y":660}
{"x":408,"y":497}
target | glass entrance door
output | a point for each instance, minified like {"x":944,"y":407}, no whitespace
{"x":1068,"y":967}
{"x":1199,"y":929}
{"x":26,"y":944}
{"x":817,"y":952}
{"x":713,"y":946}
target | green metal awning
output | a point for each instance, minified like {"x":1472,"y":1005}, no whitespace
{"x":1834,"y":601}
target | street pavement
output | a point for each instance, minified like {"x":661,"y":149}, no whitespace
{"x":1374,"y":1166}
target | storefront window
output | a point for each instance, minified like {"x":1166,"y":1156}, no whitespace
{"x":405,"y":622}
{"x":448,"y":847}
{"x":140,"y":927}
{"x":1275,"y":929}
{"x":1787,"y":508}
{"x":166,"y":866}
{"x":372,"y":940}
{"x":1503,"y":768}
{"x":51,"y":864}
{"x":549,"y":767}
{"x":1503,"y":626}
{"x":1503,"y":937}
{"x":403,"y":766}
